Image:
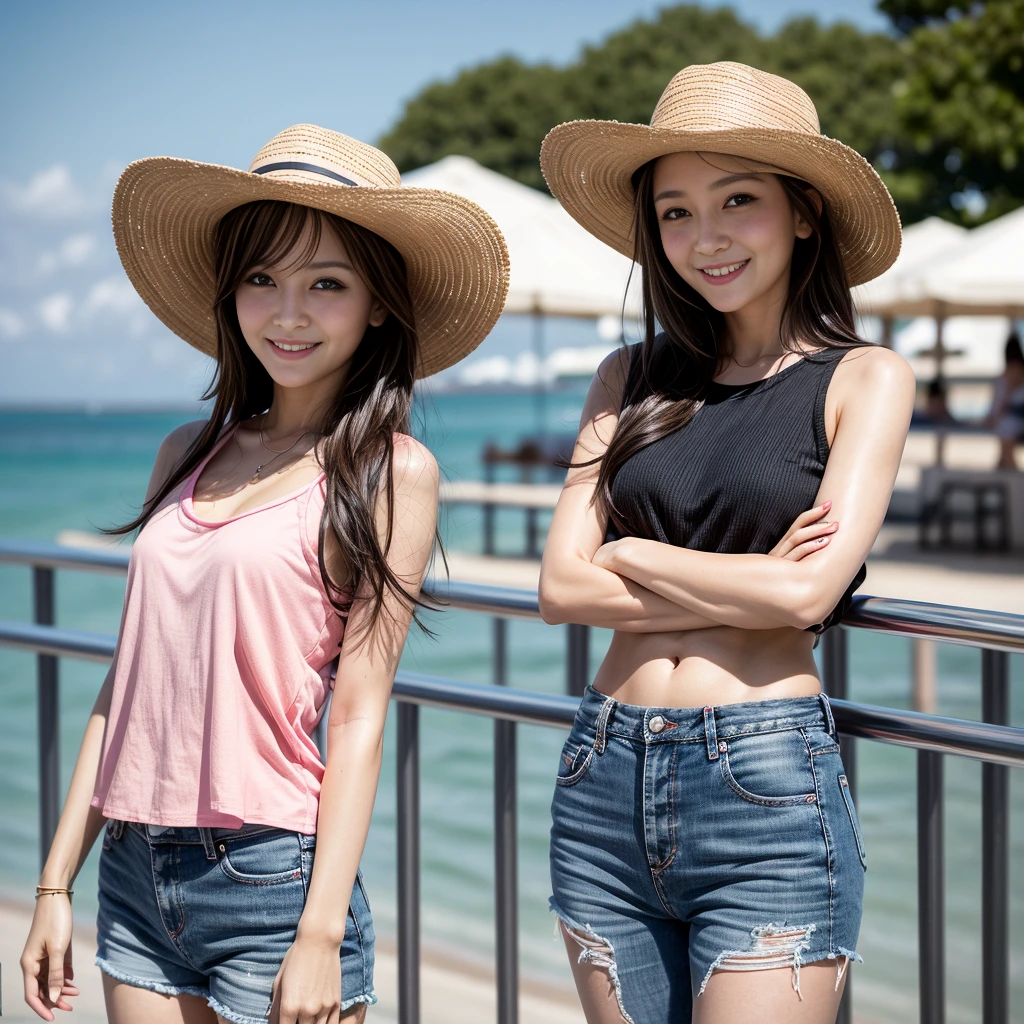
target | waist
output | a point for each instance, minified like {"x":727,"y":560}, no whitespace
{"x":158,"y":835}
{"x":653,"y":724}
{"x":721,"y":665}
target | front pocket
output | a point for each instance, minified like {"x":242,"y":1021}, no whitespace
{"x":574,"y":762}
{"x":772,"y":769}
{"x":844,"y":788}
{"x":269,"y":858}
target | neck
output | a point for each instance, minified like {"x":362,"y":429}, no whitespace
{"x":754,"y":332}
{"x":294,"y":410}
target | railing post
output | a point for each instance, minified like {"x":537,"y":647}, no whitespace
{"x":931,"y":902}
{"x":408,"y":864}
{"x":506,"y":871}
{"x":489,"y":511}
{"x":835,"y":661}
{"x":995,"y":840}
{"x":48,"y":715}
{"x":532,"y":550}
{"x":577,"y":660}
{"x":499,"y":651}
{"x":506,"y":862}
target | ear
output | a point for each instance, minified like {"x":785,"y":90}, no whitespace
{"x":378,"y":313}
{"x":804,"y":229}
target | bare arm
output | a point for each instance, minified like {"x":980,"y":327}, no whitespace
{"x":46,"y":961}
{"x":870,"y":400}
{"x":573,"y":588}
{"x":308,"y":984}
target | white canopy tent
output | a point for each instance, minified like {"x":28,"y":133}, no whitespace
{"x":946,"y":271}
{"x":557,"y":268}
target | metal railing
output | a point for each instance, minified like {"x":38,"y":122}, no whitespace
{"x":992,"y":741}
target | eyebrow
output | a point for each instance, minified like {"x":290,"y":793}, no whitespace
{"x":324,"y":265}
{"x":729,"y":179}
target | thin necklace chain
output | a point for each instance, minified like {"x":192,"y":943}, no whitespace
{"x":276,"y":454}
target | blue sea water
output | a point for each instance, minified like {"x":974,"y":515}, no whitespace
{"x":70,"y":470}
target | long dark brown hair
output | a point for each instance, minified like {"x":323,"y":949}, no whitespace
{"x":672,"y":368}
{"x":374,"y":402}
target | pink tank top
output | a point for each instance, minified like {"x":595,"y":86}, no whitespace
{"x":227,"y":639}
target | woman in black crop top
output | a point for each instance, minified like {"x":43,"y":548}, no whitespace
{"x":729,"y":479}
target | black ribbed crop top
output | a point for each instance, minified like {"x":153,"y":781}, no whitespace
{"x":735,"y":477}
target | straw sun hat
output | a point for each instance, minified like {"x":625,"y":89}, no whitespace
{"x":736,"y":110}
{"x":166,"y":212}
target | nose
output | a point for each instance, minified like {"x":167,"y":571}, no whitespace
{"x":291,"y":312}
{"x":711,"y":239}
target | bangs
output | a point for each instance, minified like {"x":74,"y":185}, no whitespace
{"x":262,"y":234}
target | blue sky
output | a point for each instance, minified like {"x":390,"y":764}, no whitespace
{"x":86,"y":87}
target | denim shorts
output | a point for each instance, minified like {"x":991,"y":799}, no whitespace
{"x":212,"y":912}
{"x":689,"y":840}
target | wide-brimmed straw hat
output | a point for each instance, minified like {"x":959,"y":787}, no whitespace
{"x":166,"y":213}
{"x":739,"y":111}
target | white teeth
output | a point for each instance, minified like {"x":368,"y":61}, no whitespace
{"x":722,"y":271}
{"x":292,"y":348}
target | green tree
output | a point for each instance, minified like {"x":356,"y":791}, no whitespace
{"x":961,"y":106}
{"x":498,"y":113}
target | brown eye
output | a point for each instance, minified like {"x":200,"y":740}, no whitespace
{"x":740,"y":199}
{"x":259,"y":280}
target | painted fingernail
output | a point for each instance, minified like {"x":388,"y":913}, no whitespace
{"x":826,"y":505}
{"x":54,"y":994}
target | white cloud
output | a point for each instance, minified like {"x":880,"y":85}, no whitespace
{"x":114,"y":294}
{"x":51,"y":194}
{"x":11,"y":325}
{"x":55,"y":311}
{"x":77,"y":249}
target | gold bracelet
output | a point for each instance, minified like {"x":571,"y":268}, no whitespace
{"x":53,"y":890}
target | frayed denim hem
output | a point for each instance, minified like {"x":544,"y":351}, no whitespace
{"x":161,"y":987}
{"x":594,"y":949}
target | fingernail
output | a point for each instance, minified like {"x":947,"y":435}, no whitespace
{"x":822,"y":540}
{"x":54,"y":994}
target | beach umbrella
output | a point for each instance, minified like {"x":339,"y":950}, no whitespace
{"x":556,"y":267}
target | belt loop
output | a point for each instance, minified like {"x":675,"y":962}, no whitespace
{"x":829,"y":720}
{"x":710,"y":734}
{"x":116,"y":828}
{"x":602,"y":725}
{"x":206,"y":834}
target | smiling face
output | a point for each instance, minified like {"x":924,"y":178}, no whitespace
{"x":729,"y":233}
{"x":303,"y":319}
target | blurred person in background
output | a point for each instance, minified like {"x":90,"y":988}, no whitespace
{"x":281,"y":549}
{"x":730,"y":476}
{"x":1006,"y":417}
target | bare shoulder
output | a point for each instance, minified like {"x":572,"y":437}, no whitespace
{"x":176,"y":443}
{"x":413,"y":466}
{"x":609,"y":382}
{"x":876,"y":368}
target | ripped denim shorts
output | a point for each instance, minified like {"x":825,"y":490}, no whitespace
{"x":688,"y":840}
{"x":211,"y":912}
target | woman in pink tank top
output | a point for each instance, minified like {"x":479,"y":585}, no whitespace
{"x":281,"y":549}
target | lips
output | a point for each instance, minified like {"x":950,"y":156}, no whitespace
{"x":292,"y":349}
{"x":723,"y":273}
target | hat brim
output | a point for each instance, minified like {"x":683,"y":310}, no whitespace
{"x":588,"y":166}
{"x":166,"y":211}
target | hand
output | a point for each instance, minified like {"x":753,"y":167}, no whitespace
{"x":307,"y":988}
{"x":810,"y":532}
{"x":46,"y":961}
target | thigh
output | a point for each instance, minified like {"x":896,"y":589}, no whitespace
{"x":127,"y":1004}
{"x":769,"y":997}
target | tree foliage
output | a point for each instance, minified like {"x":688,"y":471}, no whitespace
{"x":937,"y":106}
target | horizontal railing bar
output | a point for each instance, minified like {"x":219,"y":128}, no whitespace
{"x":997,"y":744}
{"x":1001,"y":631}
{"x":57,"y":556}
{"x":526,"y":706}
{"x":508,"y":602}
{"x":68,"y":643}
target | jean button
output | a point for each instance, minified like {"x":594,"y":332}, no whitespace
{"x":656,"y":724}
